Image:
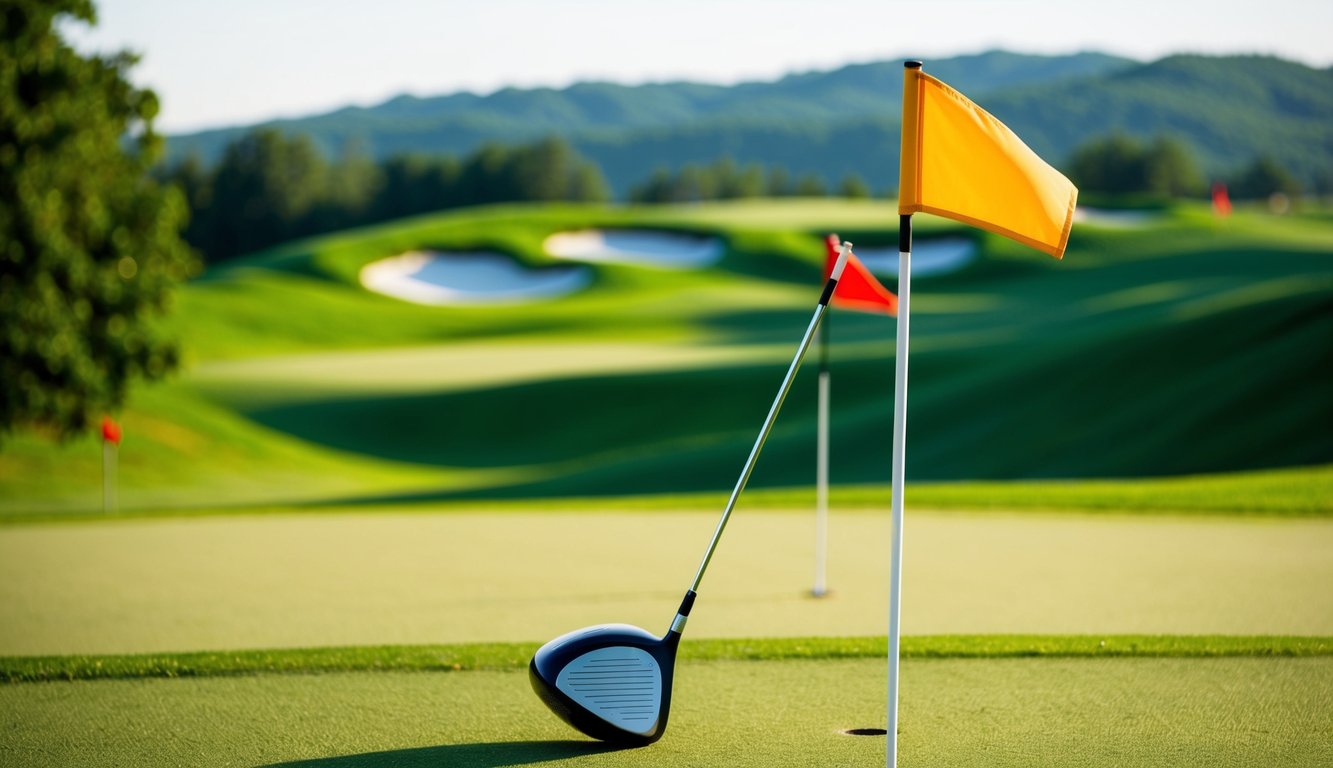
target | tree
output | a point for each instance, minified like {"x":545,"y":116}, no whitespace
{"x":853,"y":187}
{"x":1169,"y":169}
{"x":657,"y":189}
{"x":1111,"y":165}
{"x":196,"y":182}
{"x":90,"y":246}
{"x":1120,"y":165}
{"x":551,"y":170}
{"x":1262,"y":178}
{"x":810,"y":185}
{"x":266,"y":190}
{"x":779,"y":182}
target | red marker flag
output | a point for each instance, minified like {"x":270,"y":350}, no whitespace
{"x":858,"y":289}
{"x":110,"y":430}
{"x":1221,"y":200}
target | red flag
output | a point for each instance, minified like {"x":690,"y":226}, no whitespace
{"x":1221,"y":200}
{"x":110,"y":430}
{"x":858,"y":289}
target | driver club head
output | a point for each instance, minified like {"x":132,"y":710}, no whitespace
{"x":610,"y":681}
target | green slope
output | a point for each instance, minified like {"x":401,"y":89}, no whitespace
{"x":1180,"y":347}
{"x":1195,"y":321}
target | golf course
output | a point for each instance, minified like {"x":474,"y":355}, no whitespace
{"x":398,"y":459}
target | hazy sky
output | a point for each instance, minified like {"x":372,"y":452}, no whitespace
{"x":226,"y":62}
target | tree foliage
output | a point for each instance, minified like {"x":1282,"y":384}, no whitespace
{"x":1263,"y":178}
{"x":725,"y":180}
{"x":1120,"y":165}
{"x":269,"y":187}
{"x":1228,"y":109}
{"x":89,"y":244}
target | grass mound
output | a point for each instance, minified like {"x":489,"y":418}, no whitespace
{"x":1182,"y":347}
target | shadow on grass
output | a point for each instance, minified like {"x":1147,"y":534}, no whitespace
{"x":488,"y":755}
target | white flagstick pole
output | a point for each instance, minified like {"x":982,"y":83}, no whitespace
{"x":829,"y":287}
{"x":821,"y":469}
{"x":108,"y":477}
{"x":899,"y":459}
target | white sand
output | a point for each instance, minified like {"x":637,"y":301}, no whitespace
{"x":929,"y":257}
{"x":1101,"y":217}
{"x":474,"y":278}
{"x":646,"y":248}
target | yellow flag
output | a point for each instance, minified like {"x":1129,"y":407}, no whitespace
{"x":959,"y":161}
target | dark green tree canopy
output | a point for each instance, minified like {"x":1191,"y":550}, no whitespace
{"x":1120,"y":165}
{"x":89,"y":244}
{"x":271,"y":187}
{"x":1264,"y":177}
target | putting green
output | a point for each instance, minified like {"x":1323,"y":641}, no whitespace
{"x":286,"y":581}
{"x":995,"y":712}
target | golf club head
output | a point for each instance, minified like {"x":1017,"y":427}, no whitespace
{"x":610,"y":681}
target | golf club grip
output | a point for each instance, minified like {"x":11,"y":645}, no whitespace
{"x":768,"y":426}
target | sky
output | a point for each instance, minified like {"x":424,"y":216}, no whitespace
{"x":217,"y":63}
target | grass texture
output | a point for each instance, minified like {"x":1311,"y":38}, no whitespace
{"x":1188,"y":346}
{"x":381,"y":578}
{"x":954,"y":712}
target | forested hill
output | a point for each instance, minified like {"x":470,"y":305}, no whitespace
{"x":1229,"y":110}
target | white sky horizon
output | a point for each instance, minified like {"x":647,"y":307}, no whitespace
{"x":220,"y":64}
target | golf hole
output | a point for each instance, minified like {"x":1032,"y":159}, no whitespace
{"x":864,"y":732}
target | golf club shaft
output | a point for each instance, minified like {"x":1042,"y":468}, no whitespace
{"x":824,"y":299}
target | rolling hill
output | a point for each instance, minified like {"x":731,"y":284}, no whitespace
{"x":1178,"y":346}
{"x":1229,"y":109}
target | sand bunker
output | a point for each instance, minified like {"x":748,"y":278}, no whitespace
{"x":426,"y":277}
{"x":646,"y":248}
{"x":929,"y":257}
{"x":1102,"y":217}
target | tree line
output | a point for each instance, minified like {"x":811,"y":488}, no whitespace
{"x":1121,"y":166}
{"x":269,"y":188}
{"x":725,"y":180}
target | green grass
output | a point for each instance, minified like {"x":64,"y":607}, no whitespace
{"x":954,"y":712}
{"x":1187,"y":347}
{"x":381,"y":578}
{"x":501,"y":656}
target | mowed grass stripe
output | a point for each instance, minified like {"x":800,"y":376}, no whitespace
{"x":502,"y":656}
{"x":1296,"y":492}
{"x":302,"y":581}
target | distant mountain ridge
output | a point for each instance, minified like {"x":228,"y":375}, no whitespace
{"x":1228,"y":109}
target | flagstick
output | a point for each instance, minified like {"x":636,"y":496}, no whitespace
{"x":821,"y":468}
{"x":899,"y":459}
{"x":108,"y":477}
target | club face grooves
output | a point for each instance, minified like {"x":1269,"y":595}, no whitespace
{"x":630,"y":654}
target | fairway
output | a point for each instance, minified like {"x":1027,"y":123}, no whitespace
{"x":283,"y":581}
{"x":302,"y":387}
{"x":345,"y":484}
{"x":988,"y":712}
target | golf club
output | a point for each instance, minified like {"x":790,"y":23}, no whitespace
{"x":613,"y":681}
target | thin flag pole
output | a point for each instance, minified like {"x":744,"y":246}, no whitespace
{"x":108,"y":477}
{"x":899,"y":459}
{"x":821,"y":467}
